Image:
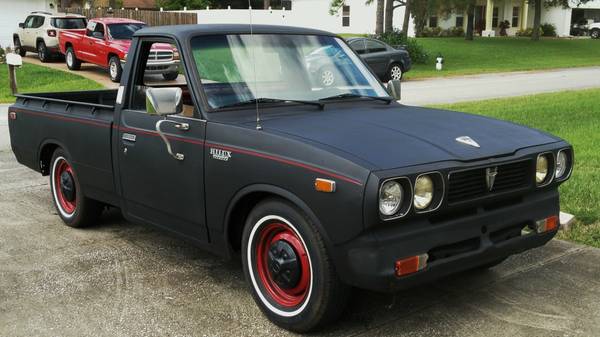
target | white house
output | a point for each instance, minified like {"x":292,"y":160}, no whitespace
{"x":13,"y":12}
{"x":519,"y":13}
{"x":354,"y":17}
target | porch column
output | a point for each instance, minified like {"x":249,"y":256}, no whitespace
{"x":489,"y":17}
{"x":524,"y":14}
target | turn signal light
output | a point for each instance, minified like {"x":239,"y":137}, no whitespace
{"x":411,"y":265}
{"x":324,"y":185}
{"x":547,"y":225}
{"x":12,"y":115}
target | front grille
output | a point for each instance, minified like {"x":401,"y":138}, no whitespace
{"x":470,"y":184}
{"x":156,"y":55}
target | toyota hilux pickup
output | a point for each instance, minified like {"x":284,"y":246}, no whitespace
{"x":315,"y":188}
{"x":105,"y":42}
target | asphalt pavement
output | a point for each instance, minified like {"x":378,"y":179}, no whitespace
{"x":487,"y":86}
{"x":122,"y":279}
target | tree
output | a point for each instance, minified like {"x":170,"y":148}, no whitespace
{"x":179,"y":4}
{"x":266,"y":4}
{"x":390,"y":6}
{"x":406,"y":21}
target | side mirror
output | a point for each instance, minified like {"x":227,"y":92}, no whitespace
{"x":394,"y":88}
{"x":98,"y":35}
{"x":164,"y":101}
{"x":21,"y":25}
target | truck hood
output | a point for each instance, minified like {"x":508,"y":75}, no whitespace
{"x":399,"y":136}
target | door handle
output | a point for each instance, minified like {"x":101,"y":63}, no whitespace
{"x":180,"y":126}
{"x":129,"y":137}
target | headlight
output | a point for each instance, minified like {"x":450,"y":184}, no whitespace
{"x":390,"y":197}
{"x":562,"y":164}
{"x":423,"y":192}
{"x":544,"y":169}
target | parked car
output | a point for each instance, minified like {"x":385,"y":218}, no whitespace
{"x":105,"y":42}
{"x":315,"y":188}
{"x":387,"y":62}
{"x":39,"y":33}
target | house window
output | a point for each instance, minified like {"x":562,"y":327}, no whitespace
{"x":495,"y":18}
{"x":346,"y":16}
{"x":433,"y":22}
{"x":515,"y":16}
{"x":287,"y":4}
{"x":460,"y":21}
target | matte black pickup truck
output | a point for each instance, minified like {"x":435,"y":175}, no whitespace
{"x":316,"y":188}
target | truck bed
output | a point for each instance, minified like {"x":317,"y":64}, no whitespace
{"x":81,"y":119}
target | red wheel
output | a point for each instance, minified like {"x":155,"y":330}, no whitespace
{"x":288,"y":268}
{"x":73,"y":207}
{"x":65,"y":189}
{"x":283,"y":264}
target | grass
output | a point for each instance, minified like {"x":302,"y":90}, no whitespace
{"x":34,"y":78}
{"x":487,"y":55}
{"x":574,"y":116}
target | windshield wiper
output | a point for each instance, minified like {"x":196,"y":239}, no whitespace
{"x":388,"y":100}
{"x":272,"y":100}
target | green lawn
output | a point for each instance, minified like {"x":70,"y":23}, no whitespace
{"x":485,"y":55}
{"x":34,"y":78}
{"x":574,"y":116}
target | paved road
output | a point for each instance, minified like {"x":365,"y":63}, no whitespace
{"x":121,"y":279}
{"x":479,"y":87}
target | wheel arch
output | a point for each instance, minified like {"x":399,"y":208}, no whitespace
{"x":46,"y":150}
{"x":246,"y":199}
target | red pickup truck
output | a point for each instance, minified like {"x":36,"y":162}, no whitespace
{"x":106,"y":41}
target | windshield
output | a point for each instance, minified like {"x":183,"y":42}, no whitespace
{"x":124,"y":31}
{"x":285,"y":67}
{"x":69,"y":23}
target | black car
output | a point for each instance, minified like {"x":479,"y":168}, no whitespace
{"x":387,"y":62}
{"x":315,"y":188}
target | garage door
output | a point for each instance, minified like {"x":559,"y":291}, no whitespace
{"x":14,"y":12}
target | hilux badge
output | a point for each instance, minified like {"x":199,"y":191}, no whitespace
{"x":467,"y":140}
{"x":490,"y":177}
{"x":220,"y":154}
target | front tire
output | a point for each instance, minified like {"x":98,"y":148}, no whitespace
{"x":170,"y":76}
{"x":289,"y":271}
{"x":115,"y":70}
{"x":72,"y":62}
{"x":19,"y":48}
{"x":395,"y":72}
{"x":73,"y":207}
{"x":43,"y":53}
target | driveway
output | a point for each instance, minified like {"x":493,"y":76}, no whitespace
{"x":122,"y":279}
{"x":487,"y":86}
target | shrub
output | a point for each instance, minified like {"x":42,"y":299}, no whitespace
{"x":396,"y":39}
{"x":548,"y":29}
{"x":528,"y":32}
{"x":2,"y":56}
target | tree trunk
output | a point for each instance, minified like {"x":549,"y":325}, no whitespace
{"x":266,"y":4}
{"x":406,"y":22}
{"x":537,"y":21}
{"x":380,"y":17}
{"x":389,"y":15}
{"x":470,"y":22}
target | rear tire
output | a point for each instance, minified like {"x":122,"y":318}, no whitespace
{"x":395,"y":72}
{"x":73,"y":207}
{"x":72,"y":62}
{"x":115,"y":70}
{"x":43,"y":53}
{"x":19,"y":48}
{"x":595,"y":34}
{"x":170,"y":76}
{"x":290,"y":273}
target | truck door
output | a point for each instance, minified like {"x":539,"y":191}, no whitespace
{"x":158,"y":188}
{"x":92,"y":43}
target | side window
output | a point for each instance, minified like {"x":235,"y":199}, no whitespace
{"x":29,"y":21}
{"x":38,"y":22}
{"x":95,"y":30}
{"x":162,"y":68}
{"x":375,"y":46}
{"x":359,"y":47}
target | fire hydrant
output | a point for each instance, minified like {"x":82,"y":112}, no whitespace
{"x":439,"y":65}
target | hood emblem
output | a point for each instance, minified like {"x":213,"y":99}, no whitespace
{"x":467,"y":140}
{"x":490,"y":177}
